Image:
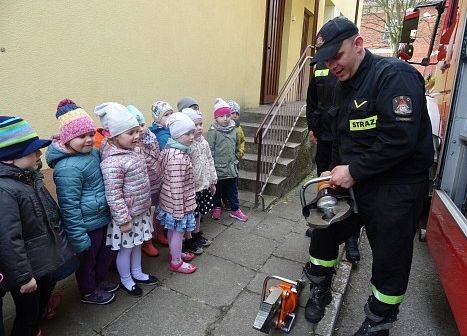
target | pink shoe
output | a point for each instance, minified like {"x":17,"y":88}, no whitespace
{"x":239,"y":215}
{"x":183,"y":267}
{"x":216,"y":213}
{"x":188,"y":256}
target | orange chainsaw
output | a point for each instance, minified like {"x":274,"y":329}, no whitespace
{"x":278,"y":304}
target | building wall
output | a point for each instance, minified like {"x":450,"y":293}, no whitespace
{"x":127,"y":51}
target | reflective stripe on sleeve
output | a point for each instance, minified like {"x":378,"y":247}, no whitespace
{"x":321,"y":73}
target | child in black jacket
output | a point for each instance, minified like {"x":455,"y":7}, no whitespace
{"x":31,"y":244}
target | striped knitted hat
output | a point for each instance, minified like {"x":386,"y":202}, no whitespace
{"x":74,"y":121}
{"x":18,"y":139}
{"x":234,"y":106}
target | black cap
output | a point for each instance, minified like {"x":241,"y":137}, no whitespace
{"x":330,"y":37}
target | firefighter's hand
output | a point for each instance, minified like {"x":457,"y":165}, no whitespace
{"x":30,"y":287}
{"x":312,"y":137}
{"x":341,"y":177}
{"x":325,"y":173}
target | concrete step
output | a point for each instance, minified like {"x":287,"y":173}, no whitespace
{"x":298,"y":134}
{"x":283,"y":166}
{"x":254,"y":117}
{"x":247,"y":182}
{"x":290,"y":149}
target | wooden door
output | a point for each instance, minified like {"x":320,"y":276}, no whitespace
{"x":272,"y":50}
{"x":306,"y":40}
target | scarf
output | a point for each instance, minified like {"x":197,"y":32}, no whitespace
{"x":171,"y":143}
{"x":224,"y":129}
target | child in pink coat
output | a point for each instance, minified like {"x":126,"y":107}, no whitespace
{"x":177,"y":198}
{"x":127,"y":190}
{"x":148,"y":147}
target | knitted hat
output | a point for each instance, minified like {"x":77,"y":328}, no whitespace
{"x":186,"y":102}
{"x":234,"y":106}
{"x":115,"y":118}
{"x":137,"y":113}
{"x":221,"y":108}
{"x":194,"y":115}
{"x":74,"y":121}
{"x":179,"y":124}
{"x":159,"y":108}
{"x":18,"y":139}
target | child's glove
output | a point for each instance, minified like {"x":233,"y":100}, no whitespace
{"x":126,"y":227}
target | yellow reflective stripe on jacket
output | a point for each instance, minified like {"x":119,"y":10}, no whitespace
{"x":321,"y":73}
{"x":389,"y":299}
{"x":363,"y":124}
{"x":325,"y":263}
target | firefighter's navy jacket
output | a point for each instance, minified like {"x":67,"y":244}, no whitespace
{"x":382,"y":126}
{"x":319,"y":101}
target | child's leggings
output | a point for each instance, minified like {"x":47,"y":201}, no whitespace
{"x":228,"y":189}
{"x":175,"y":245}
{"x":129,"y":264}
{"x":31,"y":306}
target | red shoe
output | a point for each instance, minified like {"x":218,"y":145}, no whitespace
{"x":149,"y":249}
{"x":216,"y":213}
{"x":183,"y":267}
{"x":52,"y":305}
{"x":161,"y":239}
{"x":187,"y":256}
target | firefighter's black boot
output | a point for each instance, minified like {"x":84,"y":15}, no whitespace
{"x":351,"y":249}
{"x":375,"y":325}
{"x":320,"y":296}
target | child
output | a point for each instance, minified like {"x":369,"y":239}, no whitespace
{"x":81,"y":196}
{"x":177,"y":199}
{"x":32,"y":247}
{"x":223,"y":141}
{"x":205,"y":177}
{"x":160,"y":112}
{"x":187,"y":102}
{"x":235,"y":116}
{"x":127,"y":190}
{"x":148,"y":147}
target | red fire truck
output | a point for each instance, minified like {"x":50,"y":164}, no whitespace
{"x":445,"y":70}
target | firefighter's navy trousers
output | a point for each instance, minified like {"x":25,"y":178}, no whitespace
{"x":390,"y":213}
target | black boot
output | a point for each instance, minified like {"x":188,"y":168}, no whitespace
{"x":320,"y":297}
{"x":351,"y":249}
{"x":375,"y":325}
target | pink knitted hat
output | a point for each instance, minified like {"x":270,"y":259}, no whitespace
{"x":221,"y":108}
{"x":74,"y":121}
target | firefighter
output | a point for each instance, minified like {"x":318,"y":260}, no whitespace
{"x":383,"y":149}
{"x":319,"y":103}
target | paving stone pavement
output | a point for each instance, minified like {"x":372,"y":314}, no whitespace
{"x":221,"y":298}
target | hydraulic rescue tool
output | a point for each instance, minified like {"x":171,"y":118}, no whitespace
{"x":330,"y":205}
{"x":278,"y":304}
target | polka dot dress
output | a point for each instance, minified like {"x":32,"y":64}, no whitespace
{"x":204,"y":202}
{"x":141,"y":231}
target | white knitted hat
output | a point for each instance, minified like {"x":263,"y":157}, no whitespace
{"x":195,"y":115}
{"x":179,"y":124}
{"x":115,"y":118}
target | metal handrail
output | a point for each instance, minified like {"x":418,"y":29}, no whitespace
{"x":281,"y":92}
{"x":291,"y":92}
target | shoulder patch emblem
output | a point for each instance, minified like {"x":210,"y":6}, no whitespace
{"x":402,"y":105}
